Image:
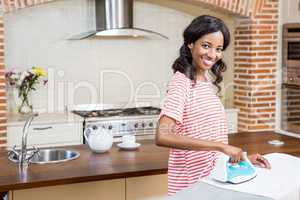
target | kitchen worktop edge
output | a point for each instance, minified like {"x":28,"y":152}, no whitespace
{"x":149,"y":159}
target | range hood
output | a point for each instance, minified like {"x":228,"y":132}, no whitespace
{"x":114,"y":18}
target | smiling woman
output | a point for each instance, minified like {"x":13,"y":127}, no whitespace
{"x":193,"y":121}
{"x":214,"y":38}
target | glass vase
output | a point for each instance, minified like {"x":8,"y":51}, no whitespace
{"x":24,"y":105}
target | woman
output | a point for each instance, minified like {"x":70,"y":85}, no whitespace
{"x":192,"y":121}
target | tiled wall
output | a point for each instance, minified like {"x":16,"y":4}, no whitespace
{"x":254,"y":71}
{"x":141,"y":74}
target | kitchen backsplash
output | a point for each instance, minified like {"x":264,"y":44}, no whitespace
{"x":107,"y":70}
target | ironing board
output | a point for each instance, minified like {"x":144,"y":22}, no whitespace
{"x":282,"y":182}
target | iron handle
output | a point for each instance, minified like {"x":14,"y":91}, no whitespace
{"x":42,"y":128}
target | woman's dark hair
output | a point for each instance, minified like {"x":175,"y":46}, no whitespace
{"x":199,"y":27}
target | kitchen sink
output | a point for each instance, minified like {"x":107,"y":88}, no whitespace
{"x":45,"y":156}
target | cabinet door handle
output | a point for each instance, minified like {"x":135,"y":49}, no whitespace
{"x":42,"y":128}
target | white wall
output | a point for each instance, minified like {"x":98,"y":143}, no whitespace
{"x":290,"y":11}
{"x":37,"y":37}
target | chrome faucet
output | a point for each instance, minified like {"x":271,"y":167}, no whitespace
{"x":23,"y":160}
{"x":22,"y":154}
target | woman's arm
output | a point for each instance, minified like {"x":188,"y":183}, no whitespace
{"x":166,"y":136}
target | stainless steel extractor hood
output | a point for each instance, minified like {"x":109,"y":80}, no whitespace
{"x":114,"y":18}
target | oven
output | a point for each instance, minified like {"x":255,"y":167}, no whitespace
{"x":291,"y":54}
{"x":290,"y":88}
{"x":138,"y":121}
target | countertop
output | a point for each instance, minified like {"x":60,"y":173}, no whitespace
{"x":44,"y":118}
{"x":149,"y":159}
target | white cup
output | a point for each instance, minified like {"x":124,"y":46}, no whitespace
{"x":128,"y":140}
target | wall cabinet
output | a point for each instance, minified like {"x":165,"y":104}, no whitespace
{"x":137,"y":188}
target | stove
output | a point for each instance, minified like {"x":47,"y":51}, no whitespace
{"x":120,"y":112}
{"x":139,"y":121}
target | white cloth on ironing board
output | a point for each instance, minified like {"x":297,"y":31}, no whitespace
{"x":282,"y":182}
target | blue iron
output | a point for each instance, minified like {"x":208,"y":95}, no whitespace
{"x":235,"y":173}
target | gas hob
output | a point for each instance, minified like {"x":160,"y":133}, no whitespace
{"x":120,"y":112}
{"x":139,"y":121}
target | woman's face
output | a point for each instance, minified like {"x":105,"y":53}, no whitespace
{"x":207,"y":50}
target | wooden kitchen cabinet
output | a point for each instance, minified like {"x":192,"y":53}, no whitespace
{"x":153,"y":187}
{"x":98,"y":190}
{"x":47,"y":130}
{"x":290,"y":109}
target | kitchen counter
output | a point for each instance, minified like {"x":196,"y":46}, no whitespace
{"x":44,"y":118}
{"x":149,"y":159}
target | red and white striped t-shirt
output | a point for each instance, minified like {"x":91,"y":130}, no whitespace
{"x":199,"y":114}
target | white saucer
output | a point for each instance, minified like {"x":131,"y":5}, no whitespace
{"x":131,"y":147}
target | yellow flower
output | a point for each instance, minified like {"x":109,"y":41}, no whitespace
{"x":39,"y":71}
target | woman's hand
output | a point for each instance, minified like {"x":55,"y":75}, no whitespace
{"x":235,"y":153}
{"x":259,"y":160}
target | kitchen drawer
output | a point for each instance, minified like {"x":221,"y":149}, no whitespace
{"x":43,"y":135}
